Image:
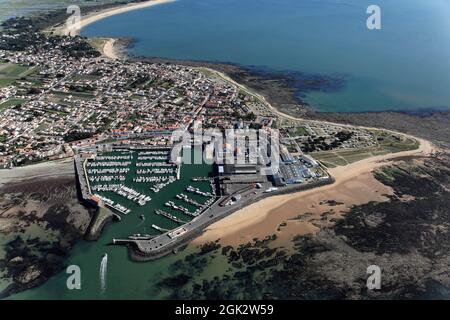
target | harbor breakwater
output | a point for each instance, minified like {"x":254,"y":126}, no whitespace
{"x":138,"y":251}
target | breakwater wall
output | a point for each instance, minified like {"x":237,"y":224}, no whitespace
{"x":137,"y":250}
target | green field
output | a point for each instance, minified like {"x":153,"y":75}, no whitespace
{"x":11,"y":70}
{"x":81,"y":77}
{"x":298,"y":131}
{"x":11,"y":103}
{"x":389,"y":144}
{"x":4,"y":82}
{"x":10,"y":73}
{"x":80,"y":95}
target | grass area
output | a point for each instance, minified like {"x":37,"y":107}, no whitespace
{"x":11,"y":103}
{"x":29,"y":72}
{"x":207,"y":72}
{"x":58,"y":112}
{"x":298,"y":131}
{"x":10,"y":73}
{"x":12,"y":70}
{"x":4,"y":82}
{"x":397,"y":146}
{"x":388,"y":144}
{"x":357,"y":157}
{"x":42,"y":126}
{"x":330,"y":159}
{"x":81,"y":95}
{"x":97,"y":43}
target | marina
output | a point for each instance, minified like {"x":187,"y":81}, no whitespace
{"x":185,"y":198}
{"x":139,"y":183}
{"x":198,"y":191}
{"x":182,"y":209}
{"x":169,"y":216}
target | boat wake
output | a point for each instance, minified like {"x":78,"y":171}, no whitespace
{"x":103,"y":270}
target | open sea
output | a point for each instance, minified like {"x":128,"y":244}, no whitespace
{"x":403,"y":66}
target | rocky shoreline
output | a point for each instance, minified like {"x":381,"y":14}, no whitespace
{"x":41,"y":220}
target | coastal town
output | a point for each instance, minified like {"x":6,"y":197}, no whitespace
{"x":58,"y":93}
{"x":229,"y":180}
{"x":61,"y":99}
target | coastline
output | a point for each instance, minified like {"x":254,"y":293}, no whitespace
{"x":49,"y":169}
{"x":233,"y":230}
{"x":282,"y":100}
{"x":264,"y":217}
{"x":112,"y":51}
{"x":102,"y":14}
{"x":342,"y":174}
{"x":257,"y":213}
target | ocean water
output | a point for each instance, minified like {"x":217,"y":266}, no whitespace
{"x":403,"y":66}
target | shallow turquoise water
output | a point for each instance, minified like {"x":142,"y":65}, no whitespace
{"x":403,"y":66}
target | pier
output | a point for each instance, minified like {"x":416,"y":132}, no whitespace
{"x":200,"y":179}
{"x":172,"y":205}
{"x":117,"y":207}
{"x":162,"y":230}
{"x":122,"y":241}
{"x":141,"y":237}
{"x":185,"y":198}
{"x":199,"y":192}
{"x":169,"y":216}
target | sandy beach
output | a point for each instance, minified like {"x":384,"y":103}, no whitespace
{"x":355,"y":185}
{"x":96,"y":16}
{"x":50,"y":169}
{"x":109,"y":49}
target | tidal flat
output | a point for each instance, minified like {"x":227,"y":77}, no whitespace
{"x":40,"y":220}
{"x":407,"y":236}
